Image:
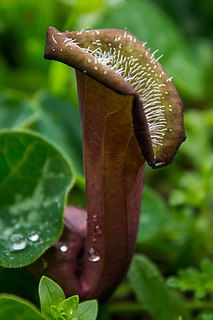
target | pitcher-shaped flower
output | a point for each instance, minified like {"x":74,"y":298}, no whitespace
{"x":131,"y":112}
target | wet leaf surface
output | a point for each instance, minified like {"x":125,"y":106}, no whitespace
{"x":34,"y":180}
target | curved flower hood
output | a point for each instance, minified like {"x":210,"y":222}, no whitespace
{"x":121,"y":62}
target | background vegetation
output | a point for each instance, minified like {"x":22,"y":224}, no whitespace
{"x":172,"y":272}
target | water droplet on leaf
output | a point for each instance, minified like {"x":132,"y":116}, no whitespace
{"x":33,"y":237}
{"x":17,"y":242}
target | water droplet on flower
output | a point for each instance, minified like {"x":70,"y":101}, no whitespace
{"x":94,"y":218}
{"x":93,"y":255}
{"x":93,"y":239}
{"x":33,"y":237}
{"x":98,"y":230}
{"x":17,"y":242}
{"x":159,"y":164}
{"x":63,"y":248}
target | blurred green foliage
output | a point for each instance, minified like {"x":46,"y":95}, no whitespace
{"x":175,"y":232}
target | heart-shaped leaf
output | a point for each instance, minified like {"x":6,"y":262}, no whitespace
{"x":12,"y":307}
{"x":34,"y":181}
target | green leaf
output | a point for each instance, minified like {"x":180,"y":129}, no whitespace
{"x":152,"y":292}
{"x":16,"y":111}
{"x":87,"y":310}
{"x":153,"y":216}
{"x":205,"y":316}
{"x":50,"y":295}
{"x":69,"y":307}
{"x":34,"y":181}
{"x":12,"y":307}
{"x":61,"y":124}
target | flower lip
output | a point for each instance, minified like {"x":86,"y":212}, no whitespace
{"x":120,"y":61}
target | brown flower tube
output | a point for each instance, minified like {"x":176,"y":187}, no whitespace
{"x":130,"y":112}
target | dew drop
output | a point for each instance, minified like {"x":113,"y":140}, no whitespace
{"x":159,"y":164}
{"x":33,"y":237}
{"x":58,"y":204}
{"x":98,"y":230}
{"x":94,"y":239}
{"x":63,"y":248}
{"x":93,"y":255}
{"x":6,"y":252}
{"x":17,"y":242}
{"x":94,"y":218}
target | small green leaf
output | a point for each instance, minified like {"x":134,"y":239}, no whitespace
{"x":192,"y":280}
{"x":205,"y":316}
{"x":87,"y":310}
{"x":34,"y":181}
{"x":12,"y":307}
{"x":152,"y":292}
{"x":69,"y":307}
{"x":51,"y":295}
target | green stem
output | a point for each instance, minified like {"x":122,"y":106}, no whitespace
{"x":199,"y":305}
{"x":126,"y":307}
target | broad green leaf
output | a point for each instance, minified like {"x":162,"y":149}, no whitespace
{"x":12,"y":307}
{"x":87,"y":310}
{"x":50,"y":295}
{"x":16,"y":111}
{"x":34,"y":181}
{"x":150,"y":24}
{"x":152,"y":292}
{"x":69,"y":307}
{"x":153,"y":215}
